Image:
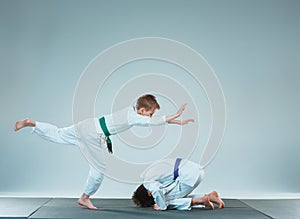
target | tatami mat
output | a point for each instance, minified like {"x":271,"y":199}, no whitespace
{"x":57,"y":208}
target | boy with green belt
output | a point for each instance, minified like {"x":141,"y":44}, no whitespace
{"x":93,"y":134}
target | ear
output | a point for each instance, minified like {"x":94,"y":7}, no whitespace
{"x":141,"y":111}
{"x":149,"y":194}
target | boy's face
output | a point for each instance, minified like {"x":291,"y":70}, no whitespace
{"x":144,"y":112}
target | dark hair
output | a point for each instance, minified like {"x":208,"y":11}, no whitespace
{"x":141,"y":198}
{"x":148,"y":102}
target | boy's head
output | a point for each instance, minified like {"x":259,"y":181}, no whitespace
{"x":141,"y":197}
{"x":146,"y":105}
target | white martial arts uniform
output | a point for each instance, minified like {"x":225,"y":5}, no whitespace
{"x":89,"y":136}
{"x":167,"y":192}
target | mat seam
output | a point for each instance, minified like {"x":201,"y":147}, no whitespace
{"x":258,"y":210}
{"x":40,"y":207}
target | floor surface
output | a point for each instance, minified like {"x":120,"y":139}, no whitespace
{"x":57,"y":208}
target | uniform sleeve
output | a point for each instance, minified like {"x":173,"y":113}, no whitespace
{"x":157,"y":194}
{"x":139,"y":120}
{"x":135,"y":119}
{"x":157,"y":120}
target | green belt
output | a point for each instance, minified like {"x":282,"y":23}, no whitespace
{"x":106,"y":133}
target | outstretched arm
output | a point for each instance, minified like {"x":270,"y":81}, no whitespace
{"x":172,"y":118}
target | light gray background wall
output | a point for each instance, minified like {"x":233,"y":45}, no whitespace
{"x":253,"y":46}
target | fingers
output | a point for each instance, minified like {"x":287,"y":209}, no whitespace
{"x":182,"y":108}
{"x":191,"y":120}
{"x":184,"y":122}
{"x":183,"y":105}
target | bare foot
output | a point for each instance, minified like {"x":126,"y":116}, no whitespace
{"x":86,"y":203}
{"x":23,"y":123}
{"x":203,"y":201}
{"x":207,"y":202}
{"x":215,"y":198}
